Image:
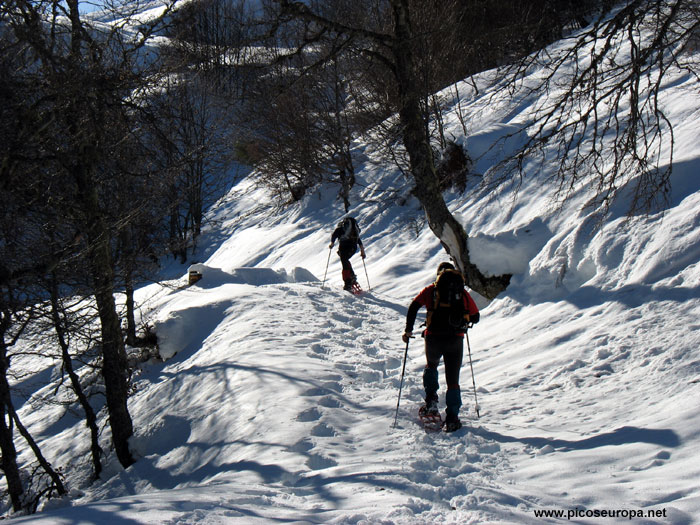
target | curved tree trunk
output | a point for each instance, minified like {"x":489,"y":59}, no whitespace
{"x":90,"y":416}
{"x":48,"y":469}
{"x":417,"y":142}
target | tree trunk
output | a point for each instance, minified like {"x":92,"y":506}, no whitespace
{"x":58,"y":484}
{"x":114,"y":365}
{"x":86,"y":108}
{"x":7,"y":445}
{"x":451,"y":234}
{"x":130,"y":308}
{"x":9,"y":455}
{"x":90,"y":417}
{"x":128,"y":264}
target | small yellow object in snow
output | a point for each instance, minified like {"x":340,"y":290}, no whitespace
{"x":194,"y":275}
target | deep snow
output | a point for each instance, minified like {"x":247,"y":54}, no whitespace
{"x":277,"y":398}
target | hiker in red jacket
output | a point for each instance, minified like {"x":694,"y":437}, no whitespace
{"x":450,"y":311}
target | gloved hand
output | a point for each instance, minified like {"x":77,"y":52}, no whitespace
{"x":406,"y":336}
{"x":362,"y":253}
{"x":331,"y":245}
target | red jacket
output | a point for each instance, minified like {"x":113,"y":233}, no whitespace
{"x":425,"y":298}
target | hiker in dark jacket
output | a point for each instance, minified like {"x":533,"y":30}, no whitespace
{"x":348,"y":234}
{"x":444,"y":336}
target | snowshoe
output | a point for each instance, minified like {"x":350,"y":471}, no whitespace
{"x":430,"y":418}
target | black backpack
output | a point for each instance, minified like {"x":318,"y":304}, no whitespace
{"x":447,"y":314}
{"x":349,"y":229}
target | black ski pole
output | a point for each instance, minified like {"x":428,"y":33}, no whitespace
{"x":363,"y":264}
{"x":405,"y":357}
{"x":469,"y":350}
{"x":327,"y":263}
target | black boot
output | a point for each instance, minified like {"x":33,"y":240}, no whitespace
{"x":452,"y":423}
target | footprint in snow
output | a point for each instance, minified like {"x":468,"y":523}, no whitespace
{"x":302,"y":446}
{"x":319,"y":349}
{"x":329,"y":402}
{"x":310,"y":414}
{"x":328,"y":388}
{"x":340,"y":317}
{"x":323,"y":430}
{"x":368,"y":343}
{"x":658,"y":460}
{"x":378,"y":365}
{"x":316,"y":462}
{"x":371,"y":376}
{"x":603,"y":370}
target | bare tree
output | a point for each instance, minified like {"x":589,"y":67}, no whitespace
{"x":618,"y":61}
{"x":604,"y":118}
{"x":89,"y":80}
{"x":191,"y":145}
{"x":64,"y":328}
{"x":14,"y":318}
{"x":396,"y":48}
{"x":22,"y":256}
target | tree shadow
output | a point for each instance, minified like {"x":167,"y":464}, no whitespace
{"x":620,"y":436}
{"x":313,"y":387}
{"x":631,"y":296}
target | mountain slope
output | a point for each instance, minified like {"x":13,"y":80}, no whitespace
{"x":278,"y":397}
{"x":281,"y":407}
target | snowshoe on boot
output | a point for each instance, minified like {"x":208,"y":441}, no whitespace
{"x":452,"y":424}
{"x":430,"y":406}
{"x":429,"y":415}
{"x":355,"y":288}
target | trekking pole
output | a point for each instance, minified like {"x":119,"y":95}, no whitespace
{"x":405,"y":357}
{"x":469,"y":350}
{"x":330,"y":248}
{"x":363,"y":264}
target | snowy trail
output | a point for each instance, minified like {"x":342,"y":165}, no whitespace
{"x":350,"y":439}
{"x":316,"y":418}
{"x":281,"y":402}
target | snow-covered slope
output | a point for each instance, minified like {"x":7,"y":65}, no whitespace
{"x":279,"y":399}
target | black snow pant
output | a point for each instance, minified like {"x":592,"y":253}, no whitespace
{"x":346,"y":249}
{"x":450,"y":349}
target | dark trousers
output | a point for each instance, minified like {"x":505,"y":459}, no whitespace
{"x":451,"y":350}
{"x":347,"y":249}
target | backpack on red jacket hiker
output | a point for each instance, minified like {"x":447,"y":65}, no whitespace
{"x":448,"y":312}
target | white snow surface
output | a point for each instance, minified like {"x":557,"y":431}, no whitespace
{"x":277,"y":396}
